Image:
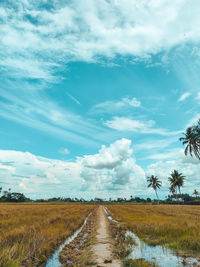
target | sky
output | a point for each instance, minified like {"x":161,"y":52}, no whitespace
{"x":94,"y":95}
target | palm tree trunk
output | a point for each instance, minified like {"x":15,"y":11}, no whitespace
{"x":179,"y":190}
{"x":157,"y":196}
{"x":176,"y":195}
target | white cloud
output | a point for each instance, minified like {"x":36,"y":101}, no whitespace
{"x":113,"y":168}
{"x":193,"y":120}
{"x":175,"y":159}
{"x":150,"y":144}
{"x":127,"y":124}
{"x":116,"y":106}
{"x":84,"y":30}
{"x":64,"y":151}
{"x":184,"y":96}
{"x":169,"y":154}
{"x":198,"y":96}
{"x":188,"y":166}
{"x":112,"y":172}
{"x":73,"y":98}
{"x":38,"y":176}
{"x":45,"y":115}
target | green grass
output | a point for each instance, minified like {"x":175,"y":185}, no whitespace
{"x":137,"y":263}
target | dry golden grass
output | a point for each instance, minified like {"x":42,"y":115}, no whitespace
{"x":30,"y":233}
{"x":177,"y":227}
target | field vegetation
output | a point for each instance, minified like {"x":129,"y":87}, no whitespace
{"x":176,"y":227}
{"x":29,"y":233}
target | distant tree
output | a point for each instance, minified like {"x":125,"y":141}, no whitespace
{"x":148,"y":199}
{"x":1,"y":189}
{"x":176,"y":181}
{"x":154,"y":183}
{"x":196,"y":193}
{"x":192,"y":140}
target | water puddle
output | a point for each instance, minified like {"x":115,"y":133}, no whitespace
{"x":163,"y":257}
{"x":108,"y":215}
{"x":54,"y":260}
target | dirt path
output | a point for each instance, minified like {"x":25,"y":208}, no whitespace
{"x":103,"y":247}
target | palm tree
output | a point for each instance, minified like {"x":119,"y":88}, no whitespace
{"x":172,"y":189}
{"x":154,"y":183}
{"x":176,"y":181}
{"x":196,"y":193}
{"x":192,"y":140}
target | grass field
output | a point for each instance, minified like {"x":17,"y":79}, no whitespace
{"x":177,"y":227}
{"x":29,"y":233}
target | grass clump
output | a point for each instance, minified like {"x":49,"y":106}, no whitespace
{"x":137,"y":263}
{"x":123,"y":243}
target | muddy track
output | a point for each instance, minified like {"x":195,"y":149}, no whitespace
{"x":103,"y":248}
{"x":94,"y":243}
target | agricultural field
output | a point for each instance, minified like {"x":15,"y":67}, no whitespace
{"x":29,"y":233}
{"x":176,"y":227}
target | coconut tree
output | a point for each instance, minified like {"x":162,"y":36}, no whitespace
{"x":192,"y":140}
{"x":196,"y":193}
{"x":176,"y":180}
{"x":154,"y":183}
{"x":172,"y":189}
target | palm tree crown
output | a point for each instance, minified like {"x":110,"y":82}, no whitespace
{"x":196,"y":193}
{"x":176,"y":180}
{"x":192,"y":140}
{"x":154,"y":183}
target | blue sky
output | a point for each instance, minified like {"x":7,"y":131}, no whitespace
{"x":95,"y":95}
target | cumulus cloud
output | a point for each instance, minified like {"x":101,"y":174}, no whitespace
{"x":112,"y":168}
{"x":36,"y":38}
{"x":116,"y":106}
{"x":189,"y":166}
{"x":112,"y":172}
{"x":38,"y":176}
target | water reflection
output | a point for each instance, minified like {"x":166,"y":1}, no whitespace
{"x":54,"y":260}
{"x":163,"y":257}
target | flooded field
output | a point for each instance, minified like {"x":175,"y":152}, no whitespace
{"x":158,"y":232}
{"x":30,"y":233}
{"x":36,"y":234}
{"x":54,"y":261}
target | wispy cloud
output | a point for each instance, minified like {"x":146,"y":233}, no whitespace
{"x":116,"y":106}
{"x":41,"y":113}
{"x":35,"y":41}
{"x":184,"y":96}
{"x":193,"y":120}
{"x":198,"y":96}
{"x":131,"y":125}
{"x":64,"y":151}
{"x":73,"y":98}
